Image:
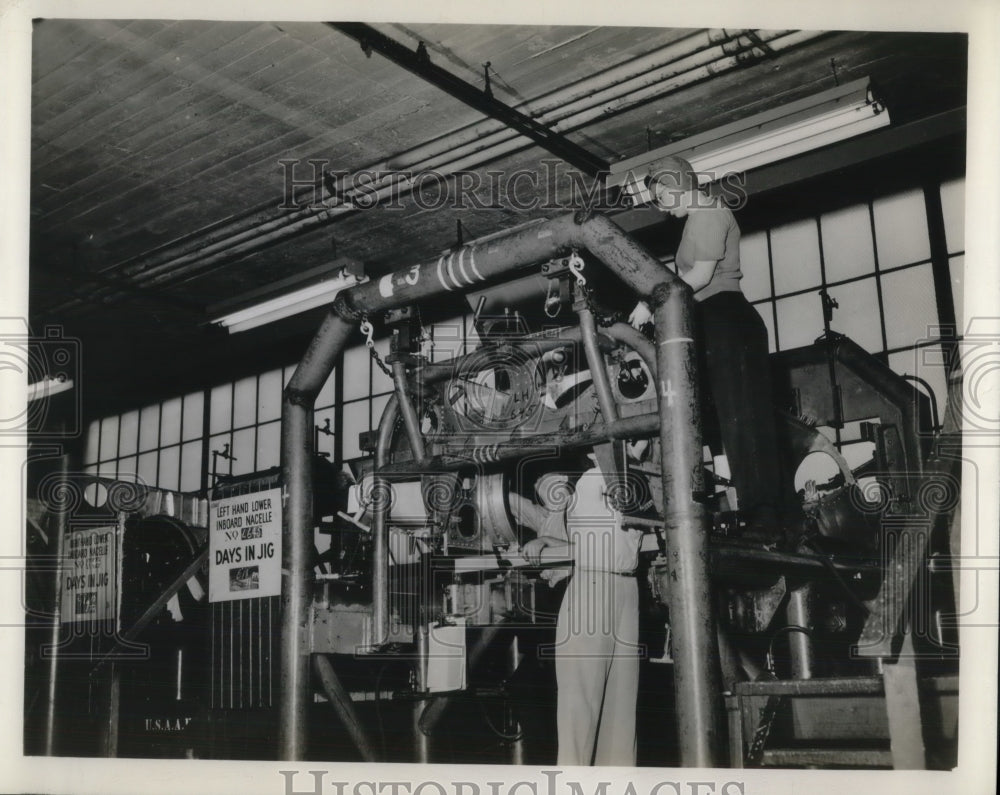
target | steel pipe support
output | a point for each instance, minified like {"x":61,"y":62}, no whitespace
{"x":297,"y":531}
{"x":799,"y":619}
{"x":380,"y":525}
{"x":697,"y":677}
{"x":595,"y":361}
{"x":405,"y":405}
{"x":55,"y":628}
{"x":341,"y":702}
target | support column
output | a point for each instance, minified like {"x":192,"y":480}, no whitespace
{"x":697,"y":679}
{"x":799,"y":614}
{"x":297,"y":439}
{"x":59,"y":546}
{"x":381,"y":494}
{"x":421,"y":739}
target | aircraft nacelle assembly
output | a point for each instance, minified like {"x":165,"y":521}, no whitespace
{"x":461,"y":420}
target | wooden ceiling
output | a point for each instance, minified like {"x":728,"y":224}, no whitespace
{"x":157,"y":149}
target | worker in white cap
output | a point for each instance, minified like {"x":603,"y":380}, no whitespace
{"x":597,"y":635}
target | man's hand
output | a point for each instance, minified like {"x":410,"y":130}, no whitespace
{"x":532,"y":551}
{"x":641,"y":315}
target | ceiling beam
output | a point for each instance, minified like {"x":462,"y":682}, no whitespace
{"x":419,"y":63}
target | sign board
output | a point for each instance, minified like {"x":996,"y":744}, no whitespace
{"x":90,"y":576}
{"x":244,"y":546}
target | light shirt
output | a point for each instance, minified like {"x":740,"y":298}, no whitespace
{"x":711,"y":233}
{"x":595,"y":529}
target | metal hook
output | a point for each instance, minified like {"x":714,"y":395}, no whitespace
{"x":575,"y":266}
{"x":368,"y":330}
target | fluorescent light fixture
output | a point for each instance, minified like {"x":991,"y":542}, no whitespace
{"x":48,"y":387}
{"x":289,"y":304}
{"x":793,"y":129}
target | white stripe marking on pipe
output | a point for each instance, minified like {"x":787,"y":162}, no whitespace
{"x":472,"y":261}
{"x":461,"y":266}
{"x":440,"y":273}
{"x":676,"y":339}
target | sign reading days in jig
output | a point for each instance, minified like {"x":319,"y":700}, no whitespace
{"x":90,"y":576}
{"x":245,"y":546}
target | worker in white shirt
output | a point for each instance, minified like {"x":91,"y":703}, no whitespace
{"x":597,"y":634}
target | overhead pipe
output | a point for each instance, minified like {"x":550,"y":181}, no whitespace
{"x":214,"y":248}
{"x":496,"y":255}
{"x":680,"y":433}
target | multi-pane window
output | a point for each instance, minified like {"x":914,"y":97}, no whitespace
{"x":159,"y":444}
{"x":244,"y":424}
{"x":874,"y":260}
{"x":953,"y":210}
{"x":366,"y":390}
{"x":163,"y":444}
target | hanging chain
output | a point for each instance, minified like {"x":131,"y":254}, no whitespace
{"x":368,"y":330}
{"x":603,"y":318}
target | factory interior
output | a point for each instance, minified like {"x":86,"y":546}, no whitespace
{"x":317,"y":307}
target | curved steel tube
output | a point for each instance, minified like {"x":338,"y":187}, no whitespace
{"x":297,"y":527}
{"x":595,"y":361}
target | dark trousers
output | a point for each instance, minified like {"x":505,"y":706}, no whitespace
{"x":734,"y":341}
